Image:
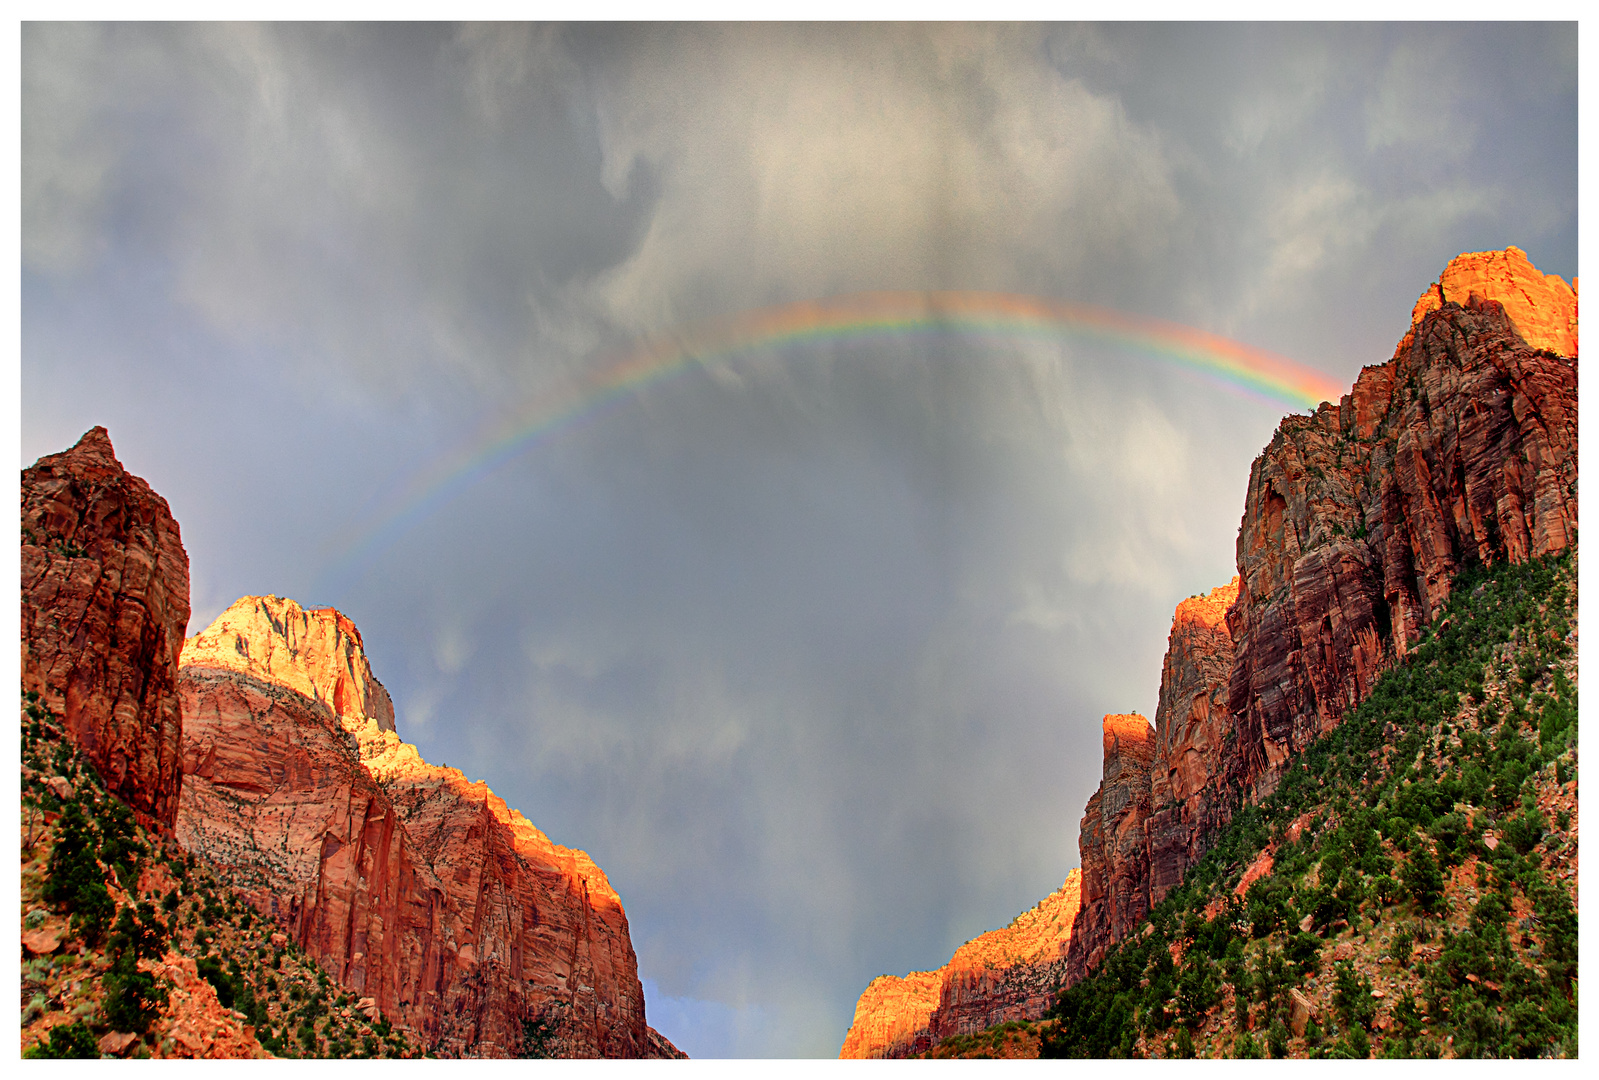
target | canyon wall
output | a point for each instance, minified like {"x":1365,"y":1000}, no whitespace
{"x":1459,"y":451}
{"x":410,"y":884}
{"x":105,"y":604}
{"x":266,"y":745}
{"x":1006,"y":974}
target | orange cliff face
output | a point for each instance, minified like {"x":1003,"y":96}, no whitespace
{"x":1459,"y":451}
{"x":1115,"y":865}
{"x":892,"y":1015}
{"x":1542,"y":307}
{"x":1191,"y":729}
{"x":105,"y":601}
{"x":1006,"y":974}
{"x":408,"y":883}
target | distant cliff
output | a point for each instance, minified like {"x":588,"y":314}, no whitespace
{"x":410,"y":884}
{"x":1006,"y":974}
{"x":1461,"y":450}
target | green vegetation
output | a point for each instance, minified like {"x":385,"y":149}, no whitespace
{"x":88,"y":868}
{"x":73,"y":1040}
{"x":1012,"y":1039}
{"x":1421,"y":840}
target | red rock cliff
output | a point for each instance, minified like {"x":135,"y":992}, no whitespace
{"x":407,"y":882}
{"x":1461,"y":450}
{"x":1192,"y":726}
{"x":1006,"y":974}
{"x":105,"y":603}
{"x":1111,"y":841}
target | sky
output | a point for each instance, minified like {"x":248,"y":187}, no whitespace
{"x":807,"y":644}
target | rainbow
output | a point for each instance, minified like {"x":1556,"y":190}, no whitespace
{"x":863,"y":315}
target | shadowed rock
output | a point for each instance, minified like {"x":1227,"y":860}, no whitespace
{"x":105,"y":602}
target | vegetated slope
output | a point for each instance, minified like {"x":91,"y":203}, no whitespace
{"x":134,"y":948}
{"x":1424,"y":857}
{"x":1414,"y":872}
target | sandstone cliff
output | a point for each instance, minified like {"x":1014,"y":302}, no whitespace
{"x":410,"y":884}
{"x":1115,"y":867}
{"x":105,"y":603}
{"x":1192,"y":729}
{"x":1460,"y":450}
{"x":892,"y":1014}
{"x":1006,"y":974}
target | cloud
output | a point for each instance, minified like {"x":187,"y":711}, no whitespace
{"x":65,"y":156}
{"x":833,"y":159}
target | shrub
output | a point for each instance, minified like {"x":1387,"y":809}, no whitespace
{"x":73,"y":1040}
{"x":1183,"y":1045}
{"x":1244,"y":1046}
{"x":75,"y":882}
{"x":1277,"y":1038}
{"x":210,"y":969}
{"x":1303,"y":951}
{"x":1352,"y":996}
{"x":1354,"y":1044}
{"x":1423,"y":879}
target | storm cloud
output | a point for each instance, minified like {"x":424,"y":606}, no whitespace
{"x":808,"y":648}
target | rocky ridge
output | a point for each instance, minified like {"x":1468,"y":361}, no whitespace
{"x":1459,"y":451}
{"x":414,"y":886}
{"x":105,"y":600}
{"x":274,"y":757}
{"x":1004,"y":975}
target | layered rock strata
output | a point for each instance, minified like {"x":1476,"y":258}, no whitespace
{"x":1112,"y":843}
{"x":1459,"y":451}
{"x":1006,"y":974}
{"x":1192,"y":730}
{"x":105,"y":604}
{"x":410,"y":884}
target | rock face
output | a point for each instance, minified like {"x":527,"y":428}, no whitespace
{"x":1459,"y":451}
{"x":408,"y":883}
{"x":105,"y":603}
{"x":1010,"y":973}
{"x":1192,"y":726}
{"x":1542,"y":307}
{"x":1006,"y":974}
{"x":892,"y":1015}
{"x":1111,"y":841}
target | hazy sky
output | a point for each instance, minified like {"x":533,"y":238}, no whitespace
{"x":808,"y":649}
